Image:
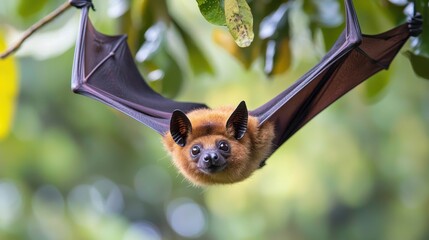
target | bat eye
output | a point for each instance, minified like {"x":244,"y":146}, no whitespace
{"x":224,"y":146}
{"x":195,"y":150}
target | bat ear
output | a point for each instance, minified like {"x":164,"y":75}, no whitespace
{"x":180,"y":127}
{"x":237,"y":122}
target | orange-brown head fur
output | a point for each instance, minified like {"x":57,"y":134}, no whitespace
{"x":209,"y":127}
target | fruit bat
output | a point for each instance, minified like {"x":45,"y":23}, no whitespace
{"x":226,"y":145}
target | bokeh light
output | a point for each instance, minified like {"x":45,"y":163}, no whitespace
{"x":10,"y":203}
{"x":187,"y":218}
{"x":142,"y":230}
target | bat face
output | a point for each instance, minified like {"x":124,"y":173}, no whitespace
{"x":218,"y":146}
{"x":211,"y":158}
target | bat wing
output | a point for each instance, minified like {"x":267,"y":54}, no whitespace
{"x":353,"y":58}
{"x":104,"y":70}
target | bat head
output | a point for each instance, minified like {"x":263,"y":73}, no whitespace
{"x":212,"y":146}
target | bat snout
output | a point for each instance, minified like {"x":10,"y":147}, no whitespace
{"x":211,"y":157}
{"x":211,"y":162}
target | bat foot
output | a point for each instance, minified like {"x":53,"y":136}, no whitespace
{"x":415,"y":25}
{"x":82,"y":4}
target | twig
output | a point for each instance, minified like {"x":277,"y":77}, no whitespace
{"x":36,"y":27}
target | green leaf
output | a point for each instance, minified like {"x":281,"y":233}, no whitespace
{"x":162,"y":70}
{"x":173,"y":80}
{"x":197,"y":59}
{"x":212,"y":10}
{"x":329,"y":22}
{"x":419,"y":55}
{"x":421,"y":46}
{"x":239,"y":20}
{"x":419,"y":63}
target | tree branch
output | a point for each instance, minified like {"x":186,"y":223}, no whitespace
{"x":36,"y":27}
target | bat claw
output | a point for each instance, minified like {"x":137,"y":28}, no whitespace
{"x":82,"y":3}
{"x":415,"y":25}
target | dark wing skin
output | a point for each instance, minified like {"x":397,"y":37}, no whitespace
{"x":353,"y":58}
{"x":104,"y":69}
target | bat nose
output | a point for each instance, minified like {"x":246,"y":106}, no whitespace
{"x":211,"y":157}
{"x":211,"y":162}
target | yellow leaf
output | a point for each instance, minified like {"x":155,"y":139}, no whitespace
{"x":239,"y":21}
{"x":8,"y":90}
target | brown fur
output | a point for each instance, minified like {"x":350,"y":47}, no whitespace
{"x":208,"y":127}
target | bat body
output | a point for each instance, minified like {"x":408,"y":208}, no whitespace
{"x":226,"y":145}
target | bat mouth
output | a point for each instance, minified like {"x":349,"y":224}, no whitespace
{"x":212,"y":168}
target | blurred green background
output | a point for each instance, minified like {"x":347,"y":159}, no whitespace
{"x":72,"y":168}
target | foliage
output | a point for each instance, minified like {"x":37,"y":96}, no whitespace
{"x":72,"y":168}
{"x":419,"y":57}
